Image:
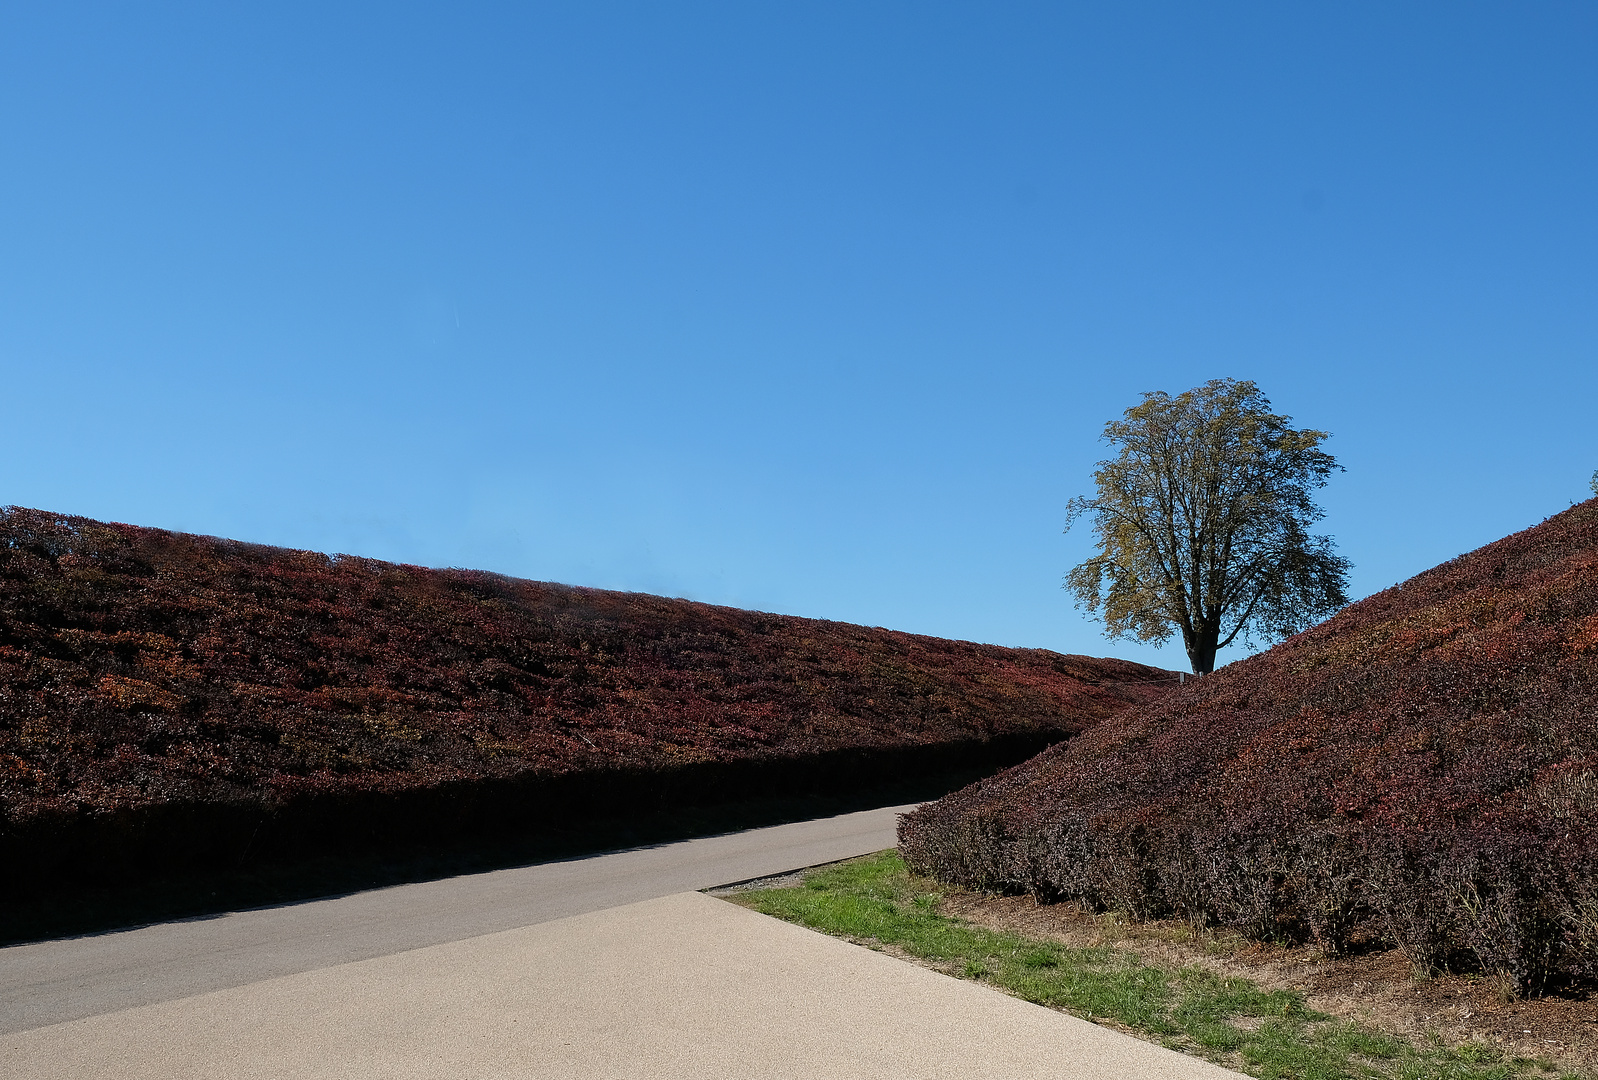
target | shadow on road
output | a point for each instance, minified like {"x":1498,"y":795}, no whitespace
{"x":89,"y":910}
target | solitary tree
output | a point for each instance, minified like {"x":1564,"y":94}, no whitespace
{"x":1202,"y":523}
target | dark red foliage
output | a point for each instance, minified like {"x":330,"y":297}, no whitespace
{"x":1422,"y":767}
{"x":141,"y":668}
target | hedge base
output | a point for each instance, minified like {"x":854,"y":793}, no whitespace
{"x":93,"y":872}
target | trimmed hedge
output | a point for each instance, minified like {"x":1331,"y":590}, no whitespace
{"x":1421,"y":769}
{"x":168,"y":701}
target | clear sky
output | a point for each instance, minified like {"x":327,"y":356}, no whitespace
{"x":816,"y":308}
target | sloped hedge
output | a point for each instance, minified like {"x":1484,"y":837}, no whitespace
{"x":176,"y":699}
{"x":1421,"y":769}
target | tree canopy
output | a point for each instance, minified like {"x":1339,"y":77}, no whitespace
{"x":1202,"y":523}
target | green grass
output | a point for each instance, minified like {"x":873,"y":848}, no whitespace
{"x":1266,"y":1033}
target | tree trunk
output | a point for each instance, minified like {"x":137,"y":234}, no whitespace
{"x":1202,"y":649}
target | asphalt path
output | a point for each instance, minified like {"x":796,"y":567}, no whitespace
{"x":676,"y":988}
{"x":55,"y":981}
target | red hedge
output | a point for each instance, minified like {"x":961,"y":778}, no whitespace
{"x":142,"y":670}
{"x":1423,"y":767}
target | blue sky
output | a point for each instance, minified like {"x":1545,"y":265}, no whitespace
{"x":814,"y":308}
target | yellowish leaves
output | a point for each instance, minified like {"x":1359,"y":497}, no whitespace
{"x":389,"y":726}
{"x":155,"y":653}
{"x":127,"y":693}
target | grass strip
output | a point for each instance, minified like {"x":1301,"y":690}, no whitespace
{"x":1270,"y":1034}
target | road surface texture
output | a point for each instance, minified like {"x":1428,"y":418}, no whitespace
{"x":608,"y":966}
{"x":679,"y":986}
{"x":52,"y":981}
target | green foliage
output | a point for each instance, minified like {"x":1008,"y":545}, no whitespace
{"x":1202,"y":522}
{"x":1266,"y":1033}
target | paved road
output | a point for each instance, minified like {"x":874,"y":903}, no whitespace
{"x":671,"y":988}
{"x":55,"y":981}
